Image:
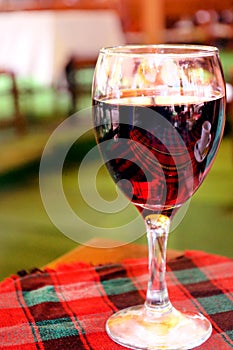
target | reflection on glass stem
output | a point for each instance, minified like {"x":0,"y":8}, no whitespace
{"x":157,"y":234}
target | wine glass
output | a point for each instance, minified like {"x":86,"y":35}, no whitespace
{"x":159,"y":113}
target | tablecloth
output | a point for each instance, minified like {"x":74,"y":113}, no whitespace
{"x":67,"y":308}
{"x":38,"y":44}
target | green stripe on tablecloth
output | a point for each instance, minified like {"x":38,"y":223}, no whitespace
{"x":193,"y":275}
{"x":216,"y":303}
{"x":118,"y":286}
{"x":230,"y":334}
{"x":41,"y":295}
{"x":56,"y":328}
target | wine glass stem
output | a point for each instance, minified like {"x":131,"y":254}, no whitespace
{"x":157,"y":298}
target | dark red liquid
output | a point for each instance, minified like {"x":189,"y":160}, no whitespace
{"x":163,"y":151}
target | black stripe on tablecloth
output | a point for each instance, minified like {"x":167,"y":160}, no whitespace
{"x":122,"y":300}
{"x":224,"y":319}
{"x":25,"y":311}
{"x":66,"y":343}
{"x":203,"y":289}
{"x":220,"y":320}
{"x":57,"y":311}
{"x":181,"y":263}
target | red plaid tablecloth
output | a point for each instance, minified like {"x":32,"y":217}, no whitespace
{"x":67,"y":308}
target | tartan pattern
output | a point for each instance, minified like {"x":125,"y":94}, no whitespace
{"x":67,"y":308}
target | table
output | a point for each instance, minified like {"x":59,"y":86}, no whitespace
{"x":90,"y":253}
{"x":38,"y":44}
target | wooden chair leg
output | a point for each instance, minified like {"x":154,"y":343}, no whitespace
{"x":70,"y":71}
{"x":17,"y":121}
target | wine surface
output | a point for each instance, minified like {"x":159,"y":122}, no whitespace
{"x":162,"y":147}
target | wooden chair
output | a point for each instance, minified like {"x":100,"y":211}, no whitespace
{"x":16,"y":121}
{"x":75,"y":86}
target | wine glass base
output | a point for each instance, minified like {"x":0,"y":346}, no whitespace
{"x":138,"y":328}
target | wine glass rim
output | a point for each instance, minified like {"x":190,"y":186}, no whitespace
{"x":171,"y":50}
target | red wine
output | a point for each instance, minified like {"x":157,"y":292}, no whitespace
{"x":162,"y":147}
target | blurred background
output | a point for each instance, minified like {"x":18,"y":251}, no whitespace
{"x":48,"y":49}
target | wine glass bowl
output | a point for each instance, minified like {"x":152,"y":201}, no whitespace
{"x":159,"y":113}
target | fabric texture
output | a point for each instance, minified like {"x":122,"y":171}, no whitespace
{"x":67,"y":308}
